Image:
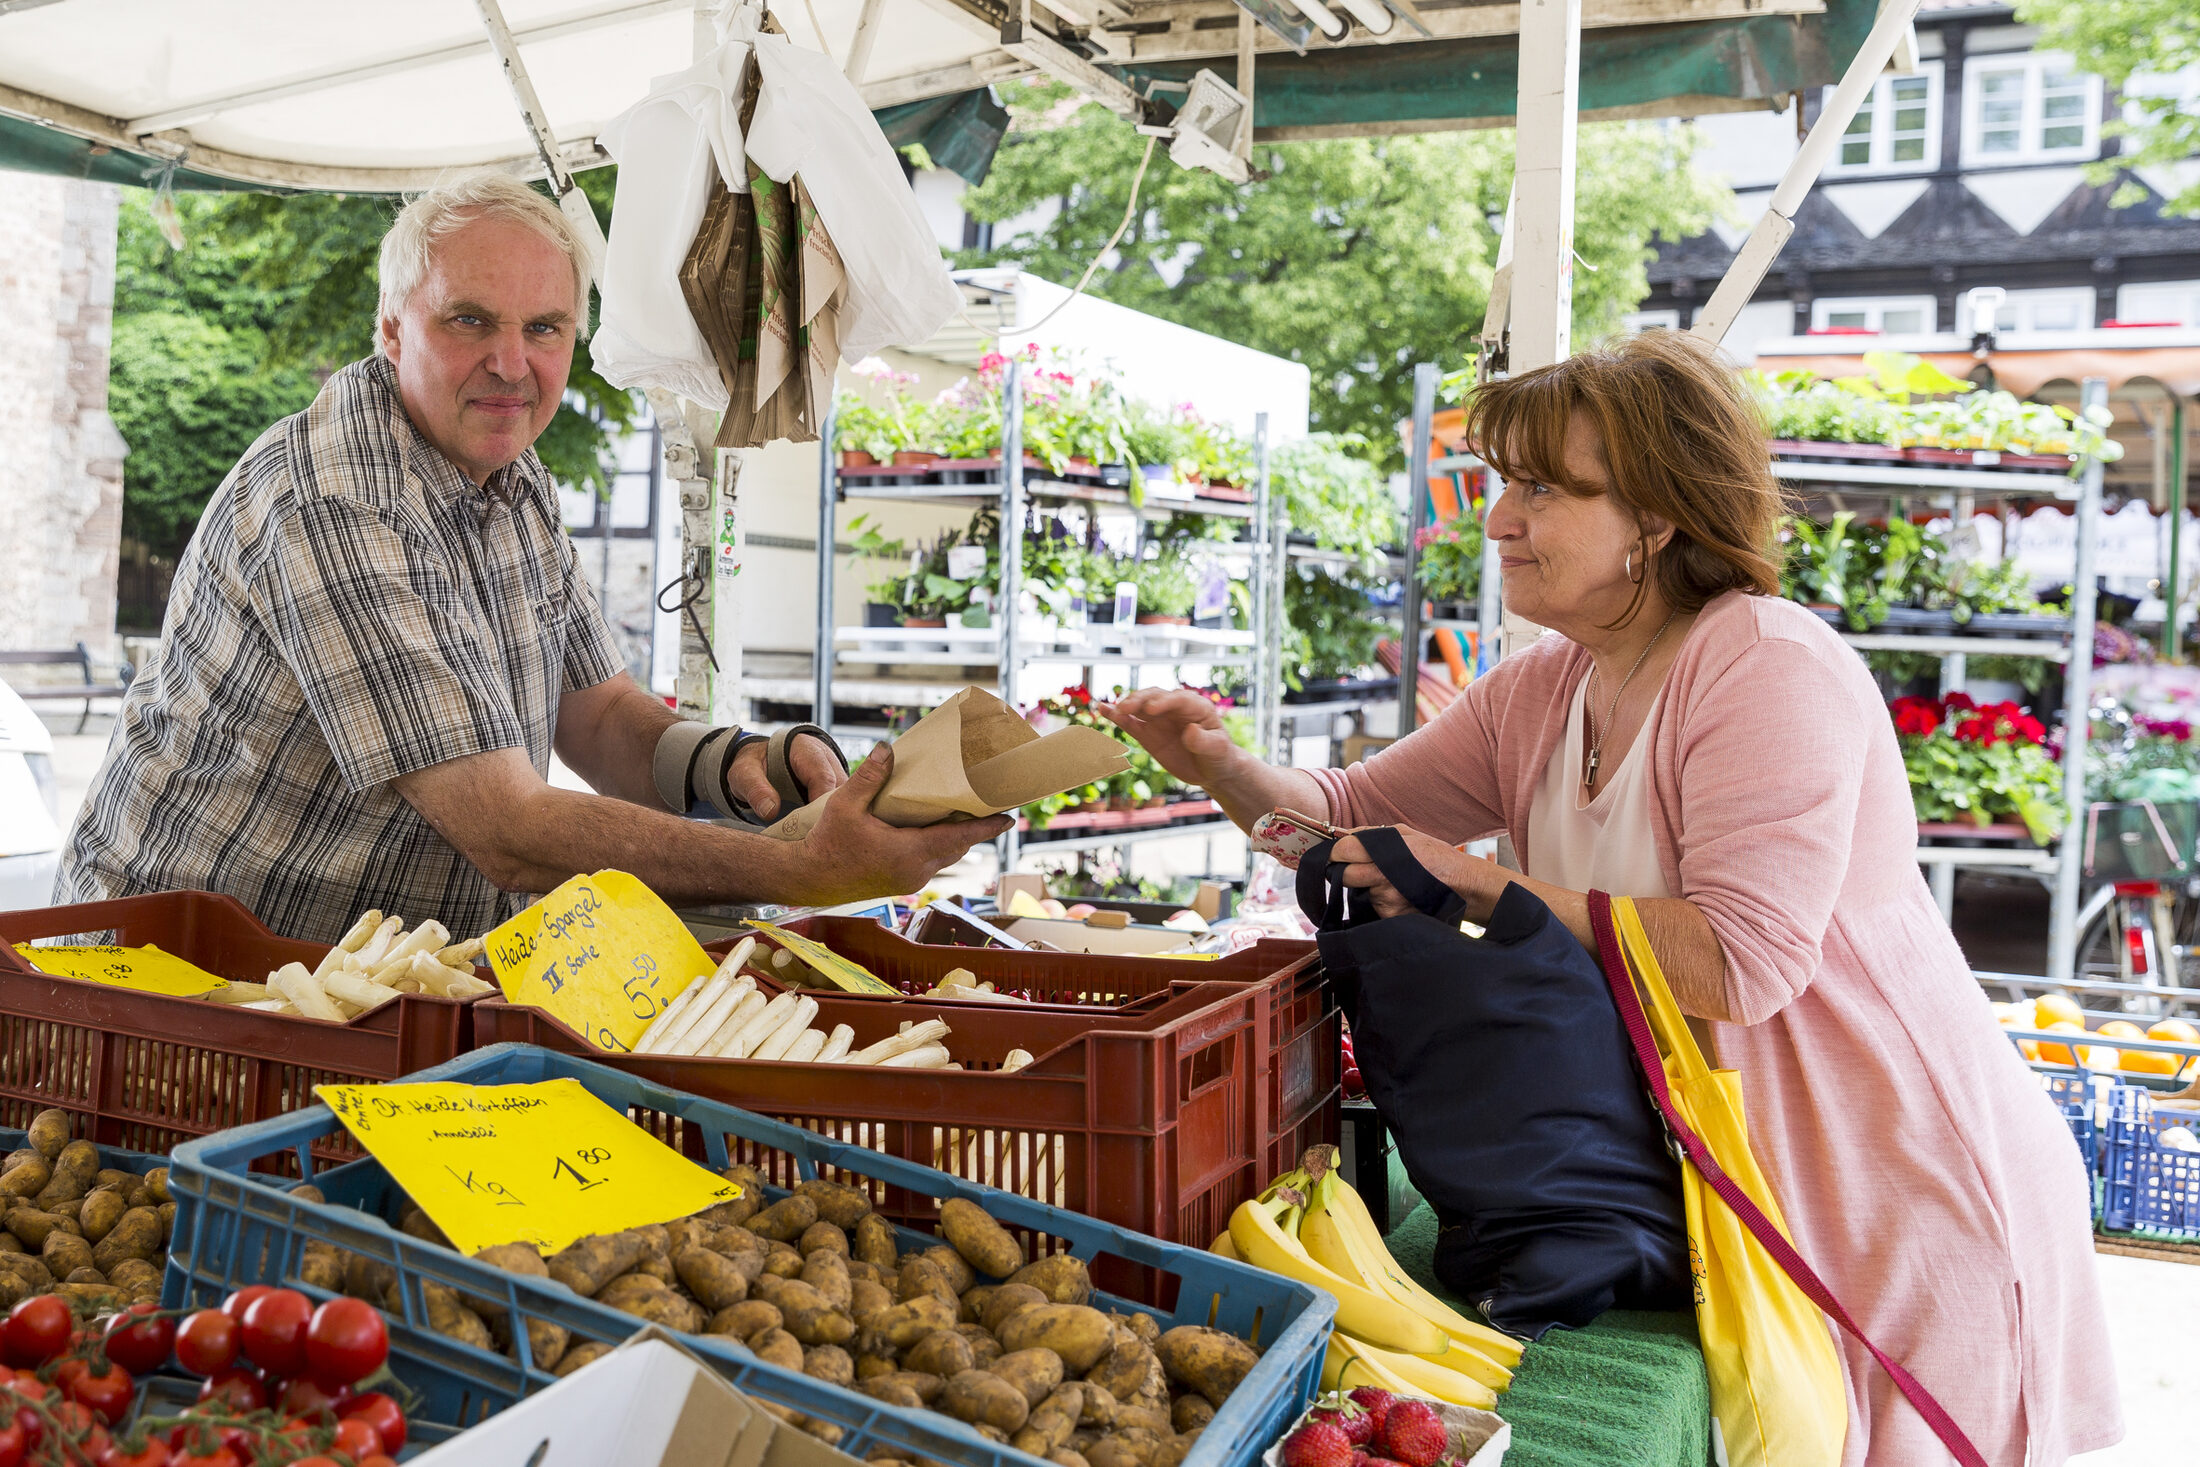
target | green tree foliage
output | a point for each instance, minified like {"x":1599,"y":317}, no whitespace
{"x":1359,"y":257}
{"x":268,"y":296}
{"x":2120,"y":40}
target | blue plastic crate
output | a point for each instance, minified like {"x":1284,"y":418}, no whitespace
{"x":2149,"y":1188}
{"x":235,"y":1226}
{"x":2072,"y":1092}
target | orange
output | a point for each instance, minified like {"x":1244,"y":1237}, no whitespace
{"x":2145,"y":1062}
{"x":2051,"y":1009}
{"x":2174,"y":1031}
{"x":2059,"y":1054}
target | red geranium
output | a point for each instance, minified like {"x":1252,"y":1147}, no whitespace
{"x":1915,"y":716}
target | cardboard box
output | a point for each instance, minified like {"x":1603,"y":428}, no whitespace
{"x":649,"y":1403}
{"x":1206,"y":900}
{"x":1085,"y":937}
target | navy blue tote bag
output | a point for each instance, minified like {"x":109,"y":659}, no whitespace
{"x":1505,"y":1075}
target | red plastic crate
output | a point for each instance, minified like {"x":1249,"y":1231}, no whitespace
{"x":1149,"y":1117}
{"x":1300,"y":1068}
{"x":145,"y":1070}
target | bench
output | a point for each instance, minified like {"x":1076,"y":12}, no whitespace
{"x":78,"y":657}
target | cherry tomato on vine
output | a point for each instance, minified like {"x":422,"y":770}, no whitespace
{"x":379,"y":1459}
{"x":207,"y":1342}
{"x":236,"y":1304}
{"x":357,"y":1438}
{"x":275,"y":1331}
{"x":316,"y":1461}
{"x":139,"y":1341}
{"x":213,"y":1457}
{"x":304,"y":1397}
{"x":105,"y":1393}
{"x":37,"y":1330}
{"x":11,"y":1445}
{"x":346,"y":1341}
{"x":381,"y":1412}
{"x":235,"y":1387}
{"x":154,"y":1453}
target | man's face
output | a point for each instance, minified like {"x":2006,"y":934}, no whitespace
{"x":483,"y":347}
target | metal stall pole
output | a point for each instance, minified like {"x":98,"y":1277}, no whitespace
{"x":1010,"y":591}
{"x":2173,"y":623}
{"x":2062,"y":931}
{"x":1489,"y":602}
{"x":1278,"y":531}
{"x":828,"y":503}
{"x":1409,"y":651}
{"x":1266,"y":673}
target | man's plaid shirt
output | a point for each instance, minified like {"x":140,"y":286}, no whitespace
{"x":352,"y":608}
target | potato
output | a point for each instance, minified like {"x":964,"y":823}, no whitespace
{"x":1127,"y":1370}
{"x":778,"y":1347}
{"x":1127,"y":1447}
{"x":1208,"y":1361}
{"x":645,"y":1296}
{"x":1080,"y":1335}
{"x":1052,"y":1422}
{"x":749,"y":1317}
{"x":782,"y":1261}
{"x":873,"y":1241}
{"x":913,"y":1319}
{"x":14,"y":1289}
{"x":587,"y":1352}
{"x":858,"y":1269}
{"x":166,"y":1212}
{"x":1067,"y":1457}
{"x":942,"y":1353}
{"x":829,"y":1363}
{"x":840,"y":1205}
{"x":827,"y":1272}
{"x":1062,"y":1278}
{"x":156,"y":1182}
{"x":810,"y":1318}
{"x":367,"y":1278}
{"x":894,"y":1390}
{"x":822,"y":1237}
{"x":320,"y":1264}
{"x":984,"y":1349}
{"x":138,"y":1235}
{"x":33,"y":1226}
{"x":87,"y":1274}
{"x":751,"y":1201}
{"x":711,"y":1277}
{"x":869,"y":1365}
{"x":1008,"y":1301}
{"x":73,"y":1171}
{"x":450,"y":1318}
{"x":656,"y":1255}
{"x":49,"y":1131}
{"x":1100,"y":1408}
{"x":589,"y":1263}
{"x":419,"y":1225}
{"x":135,"y":1274}
{"x":867,"y":1301}
{"x":546,"y":1342}
{"x":825,"y":1431}
{"x":973,"y":1301}
{"x":983,"y":1243}
{"x":28,"y":1177}
{"x":1034,"y":1372}
{"x":91,"y":1299}
{"x":65,"y":1253}
{"x":924,"y":1276}
{"x":120,"y":1180}
{"x":785,"y":1220}
{"x":982,"y":1397}
{"x":1141,"y":1324}
{"x":1191,"y":1412}
{"x":9,"y":1243}
{"x":101,"y":1209}
{"x":1176,"y":1449}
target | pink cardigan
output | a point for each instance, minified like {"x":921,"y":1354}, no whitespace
{"x":1922,"y":1169}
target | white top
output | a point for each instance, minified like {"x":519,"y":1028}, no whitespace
{"x":1606,"y":845}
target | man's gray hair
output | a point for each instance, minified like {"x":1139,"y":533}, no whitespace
{"x":441,"y":211}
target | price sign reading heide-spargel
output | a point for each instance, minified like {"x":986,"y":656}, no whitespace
{"x":544,"y":1164}
{"x":601,"y":952}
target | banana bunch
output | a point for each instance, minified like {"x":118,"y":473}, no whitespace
{"x":1392,"y":1333}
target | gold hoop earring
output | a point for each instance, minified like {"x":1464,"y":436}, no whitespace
{"x":1632,"y":578}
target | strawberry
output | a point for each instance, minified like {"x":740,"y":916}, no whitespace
{"x":1317,"y":1444}
{"x":1413,"y":1433}
{"x":1375,"y":1402}
{"x":1357,"y":1424}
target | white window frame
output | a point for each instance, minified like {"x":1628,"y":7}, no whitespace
{"x":2187,"y":315}
{"x":1875,"y":308}
{"x":2023,"y":306}
{"x":2034,"y":65}
{"x":1881,"y":104}
{"x":1635,"y":323}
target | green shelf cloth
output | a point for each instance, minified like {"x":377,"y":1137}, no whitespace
{"x":1628,"y":1391}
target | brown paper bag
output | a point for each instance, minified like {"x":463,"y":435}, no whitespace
{"x":974,"y":755}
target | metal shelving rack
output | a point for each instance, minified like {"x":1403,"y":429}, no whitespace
{"x":1017,"y":487}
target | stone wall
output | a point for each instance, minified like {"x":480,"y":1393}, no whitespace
{"x":60,"y":454}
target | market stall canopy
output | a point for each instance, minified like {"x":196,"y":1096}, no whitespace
{"x":383,"y":97}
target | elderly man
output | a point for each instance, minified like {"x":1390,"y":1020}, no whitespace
{"x":380,"y":632}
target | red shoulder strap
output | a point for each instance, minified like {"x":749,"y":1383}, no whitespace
{"x":1783,"y":1252}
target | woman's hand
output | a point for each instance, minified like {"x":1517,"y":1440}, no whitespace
{"x":1182,"y":730}
{"x":1464,"y":874}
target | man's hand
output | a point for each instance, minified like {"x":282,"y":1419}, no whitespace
{"x":851,"y":854}
{"x":811,"y":763}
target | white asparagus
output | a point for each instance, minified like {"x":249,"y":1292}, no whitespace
{"x":429,"y":937}
{"x":351,"y":964}
{"x":970,"y":995}
{"x":676,"y":1034}
{"x":242,"y":994}
{"x":462,"y":954}
{"x":361,"y":930}
{"x":731,"y":967}
{"x":923,"y":1057}
{"x":269,"y":1006}
{"x":761,"y":1027}
{"x":660,"y":1026}
{"x":331,"y":961}
{"x":357,"y":991}
{"x":373,"y":951}
{"x":914,"y":1037}
{"x":704,"y":1028}
{"x":780,"y":1040}
{"x":805,"y":1048}
{"x":836,"y":1045}
{"x":407,"y":985}
{"x":1015,"y":1059}
{"x":441,"y":981}
{"x":465,"y":982}
{"x":719,"y":1045}
{"x":389,"y":971}
{"x":906,"y":1026}
{"x":295,"y":982}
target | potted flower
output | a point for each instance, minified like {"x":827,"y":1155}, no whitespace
{"x":1451,"y":559}
{"x":886,"y":597}
{"x":865,"y":436}
{"x":1972,"y":764}
{"x":1167,"y":589}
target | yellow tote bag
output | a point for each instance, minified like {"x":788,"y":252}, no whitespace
{"x":1777,"y":1398}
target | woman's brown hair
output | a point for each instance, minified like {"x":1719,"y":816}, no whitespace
{"x":1681,"y":439}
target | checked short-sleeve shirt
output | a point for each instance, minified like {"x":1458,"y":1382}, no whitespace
{"x":351,"y":609}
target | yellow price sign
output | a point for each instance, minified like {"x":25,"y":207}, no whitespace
{"x":844,"y":974}
{"x":544,"y":1164}
{"x":146,"y":969}
{"x":601,"y":952}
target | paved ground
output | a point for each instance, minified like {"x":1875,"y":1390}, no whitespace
{"x":2153,"y":1308}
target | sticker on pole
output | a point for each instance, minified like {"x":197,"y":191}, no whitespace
{"x":146,"y":969}
{"x":544,"y":1164}
{"x":601,"y":952}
